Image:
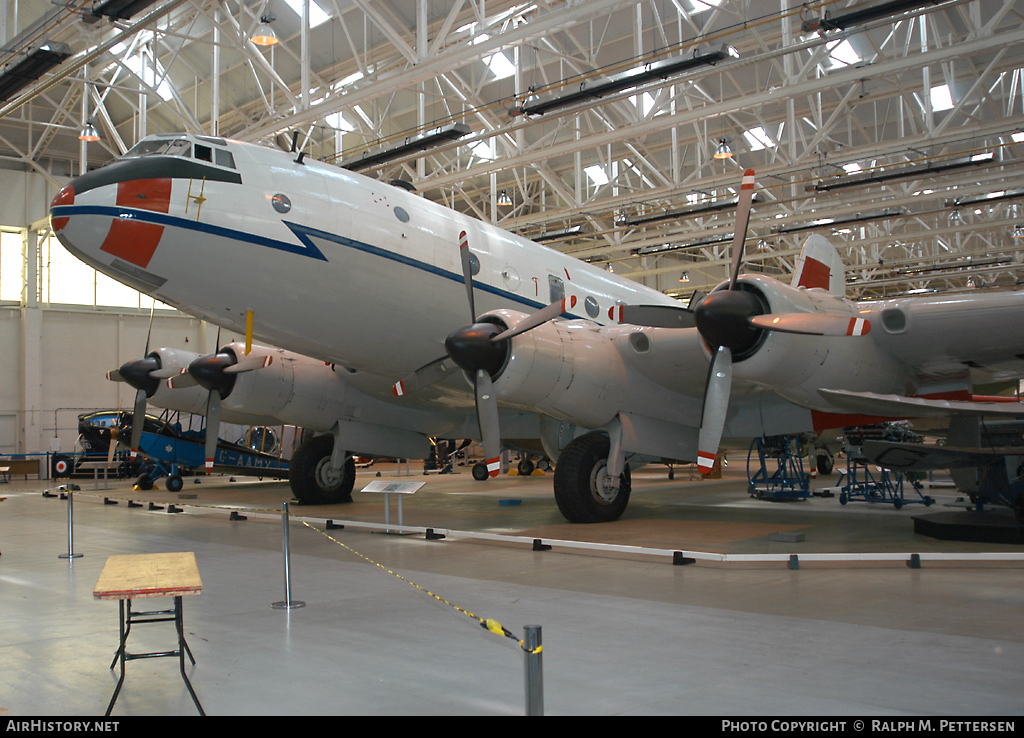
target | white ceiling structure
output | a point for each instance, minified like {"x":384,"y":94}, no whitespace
{"x":906,"y":127}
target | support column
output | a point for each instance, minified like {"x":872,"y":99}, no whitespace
{"x":31,"y":352}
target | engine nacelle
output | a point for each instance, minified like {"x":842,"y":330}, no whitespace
{"x":566,"y":369}
{"x":185,"y":399}
{"x":796,"y":366}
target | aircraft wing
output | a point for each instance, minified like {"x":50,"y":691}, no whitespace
{"x":925,"y":457}
{"x":897,"y":406}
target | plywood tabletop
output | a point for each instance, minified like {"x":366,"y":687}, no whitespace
{"x":149,"y":575}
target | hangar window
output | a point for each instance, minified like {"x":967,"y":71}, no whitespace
{"x":61,"y":278}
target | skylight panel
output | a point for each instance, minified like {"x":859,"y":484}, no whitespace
{"x":941,"y":98}
{"x":316,"y":13}
{"x":843,"y":54}
{"x":597,"y":174}
{"x":482,"y":150}
{"x":757,"y":139}
{"x":499,"y":65}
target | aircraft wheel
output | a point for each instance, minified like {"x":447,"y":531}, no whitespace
{"x":525,"y":467}
{"x":310,"y":477}
{"x":174,"y":483}
{"x":480,"y":471}
{"x":581,"y":483}
{"x":144,"y":482}
{"x":544,"y":465}
{"x":824,"y":465}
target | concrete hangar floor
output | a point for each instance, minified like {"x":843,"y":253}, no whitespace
{"x":624,"y":633}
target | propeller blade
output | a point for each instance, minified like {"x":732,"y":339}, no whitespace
{"x":742,"y":219}
{"x":138,"y":421}
{"x":425,"y":376}
{"x":467,"y":273}
{"x":182,"y":379}
{"x":249,"y":363}
{"x":114,"y":432}
{"x":812,"y":324}
{"x":540,"y":317}
{"x":716,"y":404}
{"x":152,"y":312}
{"x":212,"y":429}
{"x":653,"y":316}
{"x":487,"y":416}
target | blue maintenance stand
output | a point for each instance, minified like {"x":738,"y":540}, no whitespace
{"x":775,"y":469}
{"x":866,"y":482}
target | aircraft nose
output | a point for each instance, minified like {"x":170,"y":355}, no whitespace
{"x":66,"y":196}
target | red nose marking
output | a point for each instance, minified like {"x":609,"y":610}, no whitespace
{"x":65,"y":197}
{"x":130,"y":239}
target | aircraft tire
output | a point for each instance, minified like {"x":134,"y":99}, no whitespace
{"x":144,"y":482}
{"x":525,"y":467}
{"x":576,"y":482}
{"x":307,"y":474}
{"x":480,"y":472}
{"x":174,"y":483}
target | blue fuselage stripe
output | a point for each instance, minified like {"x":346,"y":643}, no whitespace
{"x":305,"y":247}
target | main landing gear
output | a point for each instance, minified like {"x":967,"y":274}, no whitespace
{"x":584,"y":491}
{"x":313,"y":479}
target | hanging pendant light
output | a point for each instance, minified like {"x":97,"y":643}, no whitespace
{"x":1018,"y":231}
{"x":89,"y":133}
{"x":264,"y":35}
{"x":723,"y":151}
{"x":504,"y":199}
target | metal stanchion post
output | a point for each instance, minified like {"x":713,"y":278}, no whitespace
{"x":288,"y":602}
{"x":534,"y":671}
{"x":71,"y":532}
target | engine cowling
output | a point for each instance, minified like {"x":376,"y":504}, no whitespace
{"x":796,"y":365}
{"x":566,"y":369}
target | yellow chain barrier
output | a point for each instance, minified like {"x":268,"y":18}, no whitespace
{"x":486,"y":623}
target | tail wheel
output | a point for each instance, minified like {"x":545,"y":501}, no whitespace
{"x":582,"y":489}
{"x":311,"y":478}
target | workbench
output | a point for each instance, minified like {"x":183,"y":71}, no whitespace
{"x":139,"y":576}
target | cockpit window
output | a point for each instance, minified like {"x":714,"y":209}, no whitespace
{"x":174,"y":147}
{"x":182,"y":147}
{"x":224,"y":158}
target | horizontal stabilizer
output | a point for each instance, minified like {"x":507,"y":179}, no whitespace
{"x":897,"y":406}
{"x":919,"y":457}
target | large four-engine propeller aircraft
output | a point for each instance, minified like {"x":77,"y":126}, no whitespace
{"x":605,"y":372}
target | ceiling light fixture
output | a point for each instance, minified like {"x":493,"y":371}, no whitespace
{"x":89,"y":133}
{"x":504,"y":199}
{"x":640,"y":75}
{"x":907,"y":172}
{"x":264,"y":35}
{"x":833,"y":222}
{"x":860,"y":16}
{"x":408,"y":146}
{"x":723,"y":151}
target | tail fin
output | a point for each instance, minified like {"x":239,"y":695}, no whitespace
{"x":819,"y":265}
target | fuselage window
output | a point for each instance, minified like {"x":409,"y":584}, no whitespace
{"x":205,"y":153}
{"x":591,"y":306}
{"x":224,"y":158}
{"x":179,"y":147}
{"x":556,"y":288}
